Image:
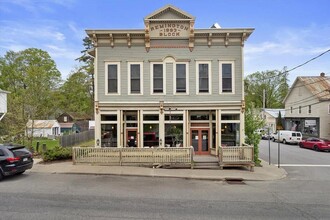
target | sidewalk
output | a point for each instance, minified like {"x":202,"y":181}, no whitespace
{"x":264,"y":173}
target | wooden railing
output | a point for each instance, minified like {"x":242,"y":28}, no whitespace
{"x":236,"y":156}
{"x":134,"y":156}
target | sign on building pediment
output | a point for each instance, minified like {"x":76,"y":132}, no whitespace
{"x":169,"y":22}
{"x":169,"y":29}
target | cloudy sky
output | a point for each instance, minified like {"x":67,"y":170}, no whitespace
{"x":287,"y":32}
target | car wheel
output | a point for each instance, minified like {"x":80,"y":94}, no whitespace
{"x":301,"y":145}
{"x":316,"y":148}
{"x":1,"y":175}
{"x":284,"y":141}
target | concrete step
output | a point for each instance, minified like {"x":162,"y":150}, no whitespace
{"x":206,"y":165}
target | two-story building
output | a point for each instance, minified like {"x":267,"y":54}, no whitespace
{"x":169,"y":84}
{"x":270,"y":116}
{"x":307,"y":106}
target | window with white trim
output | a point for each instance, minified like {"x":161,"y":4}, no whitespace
{"x":158,"y":78}
{"x":135,"y":78}
{"x":203,"y":77}
{"x":112,"y":78}
{"x":181,"y":78}
{"x":227,"y":77}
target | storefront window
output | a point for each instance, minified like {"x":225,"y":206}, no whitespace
{"x":230,"y":135}
{"x":150,"y":135}
{"x":173,"y":135}
{"x":309,"y":127}
{"x":109,"y":135}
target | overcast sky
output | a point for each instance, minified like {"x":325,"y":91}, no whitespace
{"x":287,"y":32}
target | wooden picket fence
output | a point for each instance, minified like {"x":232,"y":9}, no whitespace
{"x":173,"y":156}
{"x":237,"y":156}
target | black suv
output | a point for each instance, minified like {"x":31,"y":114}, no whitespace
{"x":14,"y":159}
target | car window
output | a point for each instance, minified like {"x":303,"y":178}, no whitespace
{"x":2,"y":153}
{"x":20,"y":152}
{"x":294,"y":134}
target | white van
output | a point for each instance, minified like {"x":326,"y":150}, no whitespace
{"x":292,"y":137}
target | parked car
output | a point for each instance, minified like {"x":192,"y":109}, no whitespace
{"x":291,"y":137}
{"x":318,"y":144}
{"x":14,"y":159}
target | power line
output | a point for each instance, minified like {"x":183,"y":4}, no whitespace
{"x":296,"y":67}
{"x":307,"y":99}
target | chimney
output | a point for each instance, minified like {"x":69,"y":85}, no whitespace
{"x":322,"y":74}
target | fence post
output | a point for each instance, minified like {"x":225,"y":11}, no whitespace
{"x":74,"y":155}
{"x":37,"y":147}
{"x":44,"y":147}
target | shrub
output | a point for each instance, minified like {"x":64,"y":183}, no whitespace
{"x":57,"y":153}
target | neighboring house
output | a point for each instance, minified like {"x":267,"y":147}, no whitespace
{"x":307,"y":106}
{"x":169,"y":84}
{"x":43,"y":128}
{"x":65,"y":118}
{"x":271,"y":116}
{"x":3,"y":103}
{"x":69,"y":128}
{"x":81,"y":121}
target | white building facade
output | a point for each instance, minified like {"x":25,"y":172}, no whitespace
{"x":307,"y":106}
{"x":169,"y":84}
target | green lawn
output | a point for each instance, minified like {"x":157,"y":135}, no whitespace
{"x":50,"y":144}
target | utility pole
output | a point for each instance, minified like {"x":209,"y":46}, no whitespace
{"x":264,"y":99}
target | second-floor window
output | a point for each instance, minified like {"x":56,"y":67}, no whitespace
{"x":309,"y":109}
{"x":135,"y":78}
{"x":112,"y":78}
{"x":299,"y":109}
{"x":181,"y":78}
{"x":203,"y":76}
{"x":226,"y":77}
{"x":157,"y":78}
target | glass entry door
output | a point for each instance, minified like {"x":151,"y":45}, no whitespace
{"x":200,"y":140}
{"x":132,"y":137}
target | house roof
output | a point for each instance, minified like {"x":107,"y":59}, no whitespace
{"x":3,"y":91}
{"x":274,"y":112}
{"x":161,"y":13}
{"x":319,"y":86}
{"x":41,"y":123}
{"x":66,"y":125}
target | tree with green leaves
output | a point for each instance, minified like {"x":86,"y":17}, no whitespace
{"x":279,"y":125}
{"x":75,"y":94}
{"x":275,"y":85}
{"x":253,"y":122}
{"x":32,"y":78}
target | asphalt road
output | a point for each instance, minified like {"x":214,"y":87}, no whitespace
{"x":304,"y":194}
{"x":56,"y":196}
{"x":300,"y":163}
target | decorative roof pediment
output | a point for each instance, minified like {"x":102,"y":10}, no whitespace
{"x":169,"y":12}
